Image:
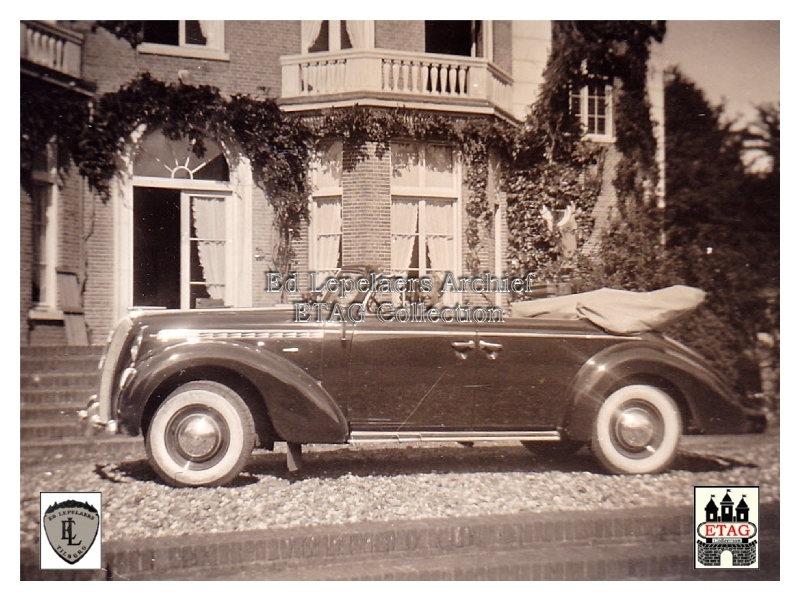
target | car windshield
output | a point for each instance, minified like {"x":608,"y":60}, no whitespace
{"x":341,"y":289}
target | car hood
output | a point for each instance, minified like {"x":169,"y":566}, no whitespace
{"x":216,"y":319}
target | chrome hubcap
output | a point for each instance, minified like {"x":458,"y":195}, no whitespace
{"x":636,"y":428}
{"x":198,"y":436}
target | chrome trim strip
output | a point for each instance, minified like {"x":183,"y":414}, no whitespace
{"x":482,"y":334}
{"x":166,"y":335}
{"x":453,"y":436}
{"x":586,"y":336}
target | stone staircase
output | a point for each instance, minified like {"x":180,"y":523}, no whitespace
{"x":55,"y":383}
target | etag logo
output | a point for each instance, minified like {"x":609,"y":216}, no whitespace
{"x":726,"y":527}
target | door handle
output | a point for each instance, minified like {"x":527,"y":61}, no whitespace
{"x":492,"y":349}
{"x":461,"y":348}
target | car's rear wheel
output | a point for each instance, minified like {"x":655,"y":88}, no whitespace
{"x":202,"y":435}
{"x":637,"y":430}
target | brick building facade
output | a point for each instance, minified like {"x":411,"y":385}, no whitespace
{"x":192,"y":234}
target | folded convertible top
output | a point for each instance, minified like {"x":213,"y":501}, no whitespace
{"x":617,"y":311}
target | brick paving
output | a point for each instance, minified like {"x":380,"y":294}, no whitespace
{"x":642,"y":543}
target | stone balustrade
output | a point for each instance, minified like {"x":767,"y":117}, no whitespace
{"x":399,"y":75}
{"x":45,"y":43}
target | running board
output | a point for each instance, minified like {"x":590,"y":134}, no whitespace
{"x":453,"y":436}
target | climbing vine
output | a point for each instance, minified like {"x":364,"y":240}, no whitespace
{"x":49,"y":113}
{"x":472,"y":137}
{"x":554,"y":169}
{"x":277,"y":146}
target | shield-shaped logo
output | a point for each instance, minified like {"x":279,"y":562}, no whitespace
{"x":71,"y":527}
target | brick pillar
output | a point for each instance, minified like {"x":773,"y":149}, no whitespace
{"x":366,"y":206}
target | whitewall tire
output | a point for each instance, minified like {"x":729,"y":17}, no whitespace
{"x":202,"y":435}
{"x":637,"y":430}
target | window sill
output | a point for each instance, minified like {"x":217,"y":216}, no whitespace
{"x":600,"y":139}
{"x":184,"y":51}
{"x":45,"y":313}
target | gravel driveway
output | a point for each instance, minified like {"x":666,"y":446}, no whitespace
{"x":379,"y":483}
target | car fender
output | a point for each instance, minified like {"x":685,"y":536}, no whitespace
{"x":708,"y":404}
{"x":309,"y":414}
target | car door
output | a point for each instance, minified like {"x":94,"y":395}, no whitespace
{"x":524,"y":368}
{"x":411,"y":376}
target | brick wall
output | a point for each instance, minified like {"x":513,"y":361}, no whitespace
{"x":264,"y":239}
{"x":254,"y":48}
{"x":400,"y":35}
{"x":98,"y":300}
{"x":366,"y":208}
{"x":605,"y":209}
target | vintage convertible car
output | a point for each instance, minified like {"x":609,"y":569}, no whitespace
{"x":204,"y":387}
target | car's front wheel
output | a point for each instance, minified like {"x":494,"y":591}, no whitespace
{"x":637,"y":430}
{"x":202,"y":435}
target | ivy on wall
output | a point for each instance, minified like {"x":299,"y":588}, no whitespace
{"x":49,"y":113}
{"x":554,"y":167}
{"x":278,"y":147}
{"x":472,"y":137}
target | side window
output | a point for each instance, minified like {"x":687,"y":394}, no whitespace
{"x":44,"y":223}
{"x":326,"y":36}
{"x":424,"y":217}
{"x":325,"y":230}
{"x":198,"y":39}
{"x":459,"y":38}
{"x":592,"y":102}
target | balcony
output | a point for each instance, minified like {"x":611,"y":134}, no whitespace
{"x":392,"y":78}
{"x":51,"y":46}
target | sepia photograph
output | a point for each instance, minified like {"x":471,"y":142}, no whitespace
{"x":406,"y":300}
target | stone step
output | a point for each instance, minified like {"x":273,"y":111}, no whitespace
{"x":50,"y":430}
{"x":59,"y":351}
{"x":58,"y":381}
{"x":72,"y":397}
{"x":59,"y":413}
{"x":32,"y":365}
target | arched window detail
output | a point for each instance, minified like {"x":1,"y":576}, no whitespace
{"x":159,"y":156}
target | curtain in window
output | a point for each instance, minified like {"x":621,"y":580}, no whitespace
{"x":209,"y":222}
{"x":404,"y":230}
{"x":362,"y":33}
{"x":439,"y":221}
{"x":210,"y":30}
{"x":309,"y":32}
{"x":328,"y":216}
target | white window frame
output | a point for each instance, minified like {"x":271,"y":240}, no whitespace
{"x":422,"y":193}
{"x":186,"y":244}
{"x":45,"y":183}
{"x":583,"y":96}
{"x":214,"y":51}
{"x":316,"y":228}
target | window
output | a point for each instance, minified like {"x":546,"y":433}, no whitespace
{"x":198,"y":39}
{"x":592,"y":104}
{"x":460,"y":38}
{"x":183,"y":232}
{"x":325,"y":231}
{"x":424,"y":211}
{"x":332,"y":36}
{"x":44,"y":223}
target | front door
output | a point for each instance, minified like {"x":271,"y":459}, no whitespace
{"x":180,"y":248}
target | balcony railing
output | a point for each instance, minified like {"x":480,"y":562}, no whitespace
{"x":51,"y":46}
{"x":399,"y":75}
